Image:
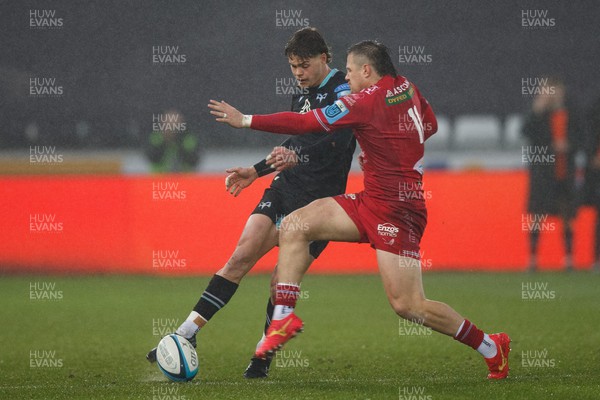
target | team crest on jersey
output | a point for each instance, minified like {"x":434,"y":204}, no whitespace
{"x":321,"y":97}
{"x":335,"y":111}
{"x":399,"y":94}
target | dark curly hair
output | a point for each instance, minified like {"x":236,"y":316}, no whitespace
{"x":306,"y":43}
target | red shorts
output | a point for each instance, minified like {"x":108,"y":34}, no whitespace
{"x":396,"y":230}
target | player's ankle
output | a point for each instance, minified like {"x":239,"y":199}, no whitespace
{"x":282,"y":312}
{"x":487,"y":348}
{"x":188,"y":328}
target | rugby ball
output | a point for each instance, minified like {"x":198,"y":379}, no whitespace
{"x":177,"y":358}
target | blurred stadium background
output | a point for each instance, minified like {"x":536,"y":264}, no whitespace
{"x":475,"y":62}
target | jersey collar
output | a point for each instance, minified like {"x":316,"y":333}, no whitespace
{"x":329,"y":75}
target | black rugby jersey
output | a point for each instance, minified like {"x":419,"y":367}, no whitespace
{"x":324,"y":158}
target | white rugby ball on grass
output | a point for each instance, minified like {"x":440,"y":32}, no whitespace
{"x":177,"y":358}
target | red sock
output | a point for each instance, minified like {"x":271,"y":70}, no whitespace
{"x":287,"y":294}
{"x":470,"y":335}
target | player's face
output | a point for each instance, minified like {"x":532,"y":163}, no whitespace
{"x":309,"y":72}
{"x":355,"y":74}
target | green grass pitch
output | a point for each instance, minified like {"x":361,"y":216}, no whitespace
{"x":86,"y":338}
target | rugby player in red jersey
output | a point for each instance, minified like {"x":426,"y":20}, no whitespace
{"x":391,"y":121}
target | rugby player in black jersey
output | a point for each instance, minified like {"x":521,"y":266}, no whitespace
{"x":310,"y":167}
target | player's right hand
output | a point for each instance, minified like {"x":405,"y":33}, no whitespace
{"x":239,"y":179}
{"x":362,"y":160}
{"x":282,"y":158}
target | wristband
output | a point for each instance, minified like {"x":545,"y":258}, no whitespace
{"x":262,"y":168}
{"x":246,"y":121}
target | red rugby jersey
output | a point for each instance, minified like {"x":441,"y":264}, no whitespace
{"x":391,"y":121}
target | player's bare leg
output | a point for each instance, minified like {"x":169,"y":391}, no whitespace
{"x":258,"y":237}
{"x":323,"y":219}
{"x":404,"y":288}
{"x":403,"y":285}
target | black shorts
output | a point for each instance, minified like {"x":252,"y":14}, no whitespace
{"x":276,"y":205}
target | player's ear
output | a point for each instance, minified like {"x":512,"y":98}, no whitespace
{"x":324,"y":58}
{"x":366,"y":70}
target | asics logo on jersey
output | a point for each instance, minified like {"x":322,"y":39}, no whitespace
{"x":281,"y":332}
{"x":321,"y":96}
{"x":400,"y":97}
{"x":398,"y":89}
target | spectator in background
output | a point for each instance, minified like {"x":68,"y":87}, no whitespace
{"x":550,"y":130}
{"x":592,"y":176}
{"x":172,"y":147}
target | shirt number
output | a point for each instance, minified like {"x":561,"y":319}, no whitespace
{"x":414,"y":115}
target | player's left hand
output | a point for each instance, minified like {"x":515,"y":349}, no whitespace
{"x":239,"y":179}
{"x":282,"y":158}
{"x":226,"y":113}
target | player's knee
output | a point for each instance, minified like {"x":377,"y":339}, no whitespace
{"x":241,"y":261}
{"x":244,"y":257}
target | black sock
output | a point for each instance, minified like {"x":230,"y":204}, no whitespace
{"x":218,"y":293}
{"x":270,"y":309}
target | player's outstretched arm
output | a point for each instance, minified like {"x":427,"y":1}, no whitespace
{"x":283,"y":123}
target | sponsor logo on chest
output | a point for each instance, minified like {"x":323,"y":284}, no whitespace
{"x":399,"y":94}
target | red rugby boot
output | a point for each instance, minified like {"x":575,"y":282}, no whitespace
{"x":498,"y":365}
{"x":279,"y":333}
